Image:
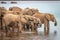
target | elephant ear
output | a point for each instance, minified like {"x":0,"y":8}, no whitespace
{"x":48,"y":17}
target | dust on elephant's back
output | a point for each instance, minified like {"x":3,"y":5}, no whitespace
{"x":10,"y":17}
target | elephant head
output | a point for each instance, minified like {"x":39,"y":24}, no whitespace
{"x":34,"y":10}
{"x":27,"y":11}
{"x":52,"y":18}
{"x":16,"y":9}
{"x":2,"y":11}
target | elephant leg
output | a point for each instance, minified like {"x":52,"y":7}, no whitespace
{"x":32,"y":26}
{"x":6,"y":29}
{"x":16,"y":25}
{"x":20,"y":27}
{"x":3,"y":25}
{"x":48,"y":28}
{"x":35,"y":30}
{"x":45,"y":25}
{"x":45,"y":29}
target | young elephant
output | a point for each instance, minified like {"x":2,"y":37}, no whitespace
{"x":45,"y":18}
{"x":32,"y":22}
{"x":35,"y":23}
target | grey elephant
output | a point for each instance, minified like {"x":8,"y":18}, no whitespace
{"x":45,"y":18}
{"x":29,"y":11}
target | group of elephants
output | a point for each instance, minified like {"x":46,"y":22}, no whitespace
{"x":24,"y":19}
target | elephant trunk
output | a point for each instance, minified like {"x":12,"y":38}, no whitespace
{"x":40,"y":24}
{"x":55,"y":24}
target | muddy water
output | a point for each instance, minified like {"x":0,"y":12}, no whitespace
{"x":27,"y":36}
{"x":53,"y":35}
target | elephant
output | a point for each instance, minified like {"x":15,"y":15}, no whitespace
{"x":2,"y":10}
{"x":8,"y":12}
{"x":20,"y":20}
{"x":32,"y":22}
{"x":45,"y":18}
{"x":8,"y":18}
{"x":29,"y":11}
{"x":16,"y":9}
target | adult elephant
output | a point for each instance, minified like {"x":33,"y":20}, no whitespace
{"x":28,"y":11}
{"x":2,"y":10}
{"x":7,"y":12}
{"x":16,"y":9}
{"x":8,"y":18}
{"x":45,"y":18}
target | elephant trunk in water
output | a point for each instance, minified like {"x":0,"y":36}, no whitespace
{"x":55,"y":24}
{"x":39,"y":24}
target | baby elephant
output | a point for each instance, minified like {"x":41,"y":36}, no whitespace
{"x":32,"y":22}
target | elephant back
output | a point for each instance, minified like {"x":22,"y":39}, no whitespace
{"x":16,"y":9}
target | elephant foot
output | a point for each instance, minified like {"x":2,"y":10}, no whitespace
{"x":46,"y":33}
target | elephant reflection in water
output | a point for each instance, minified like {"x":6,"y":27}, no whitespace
{"x":45,"y":18}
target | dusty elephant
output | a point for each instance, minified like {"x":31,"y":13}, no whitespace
{"x":8,"y":18}
{"x":28,"y":11}
{"x":6,"y":13}
{"x":45,"y":18}
{"x":31,"y":21}
{"x":16,"y":9}
{"x":2,"y":10}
